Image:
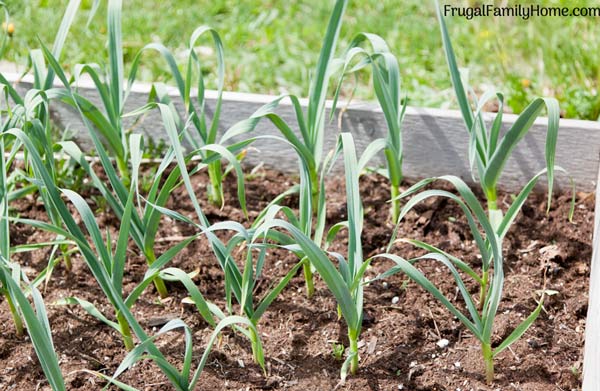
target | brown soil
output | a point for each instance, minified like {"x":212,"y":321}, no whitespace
{"x":399,"y":350}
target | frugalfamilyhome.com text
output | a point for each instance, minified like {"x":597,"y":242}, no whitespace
{"x":524,"y":11}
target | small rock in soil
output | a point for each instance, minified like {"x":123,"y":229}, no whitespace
{"x":442,"y":343}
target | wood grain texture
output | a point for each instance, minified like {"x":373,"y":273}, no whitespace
{"x":435,"y":141}
{"x":591,"y":356}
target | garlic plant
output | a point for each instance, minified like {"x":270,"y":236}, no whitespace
{"x":309,"y":146}
{"x":386,"y":83}
{"x":481,"y":315}
{"x":488,"y":150}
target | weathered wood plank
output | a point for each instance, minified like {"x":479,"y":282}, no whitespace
{"x":435,"y":141}
{"x":591,"y":357}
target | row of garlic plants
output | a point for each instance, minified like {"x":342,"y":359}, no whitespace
{"x":27,"y":127}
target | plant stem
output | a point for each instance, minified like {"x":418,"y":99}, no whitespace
{"x":314,"y":185}
{"x":395,"y":192}
{"x":66,"y":257}
{"x":257,"y":353}
{"x":124,"y":171}
{"x":161,"y":288}
{"x":253,"y":340}
{"x":353,"y":337}
{"x":215,"y":190}
{"x":484,"y":287}
{"x":125,"y":331}
{"x":16,"y":316}
{"x":68,"y":263}
{"x":488,"y":359}
{"x":494,"y":213}
{"x":308,"y":278}
{"x":308,"y":273}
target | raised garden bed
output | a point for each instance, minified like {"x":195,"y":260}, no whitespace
{"x":403,"y":325}
{"x":187,"y":271}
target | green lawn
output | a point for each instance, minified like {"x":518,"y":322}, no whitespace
{"x":272,"y":45}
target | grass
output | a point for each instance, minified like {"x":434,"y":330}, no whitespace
{"x":260,"y":35}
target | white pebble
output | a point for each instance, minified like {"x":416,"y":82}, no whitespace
{"x":457,"y":364}
{"x":395,"y":300}
{"x":442,"y":343}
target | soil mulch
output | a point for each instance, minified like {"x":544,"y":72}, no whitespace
{"x":402,"y":323}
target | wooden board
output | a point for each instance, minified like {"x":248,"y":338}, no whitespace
{"x":591,"y":356}
{"x":435,"y":141}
